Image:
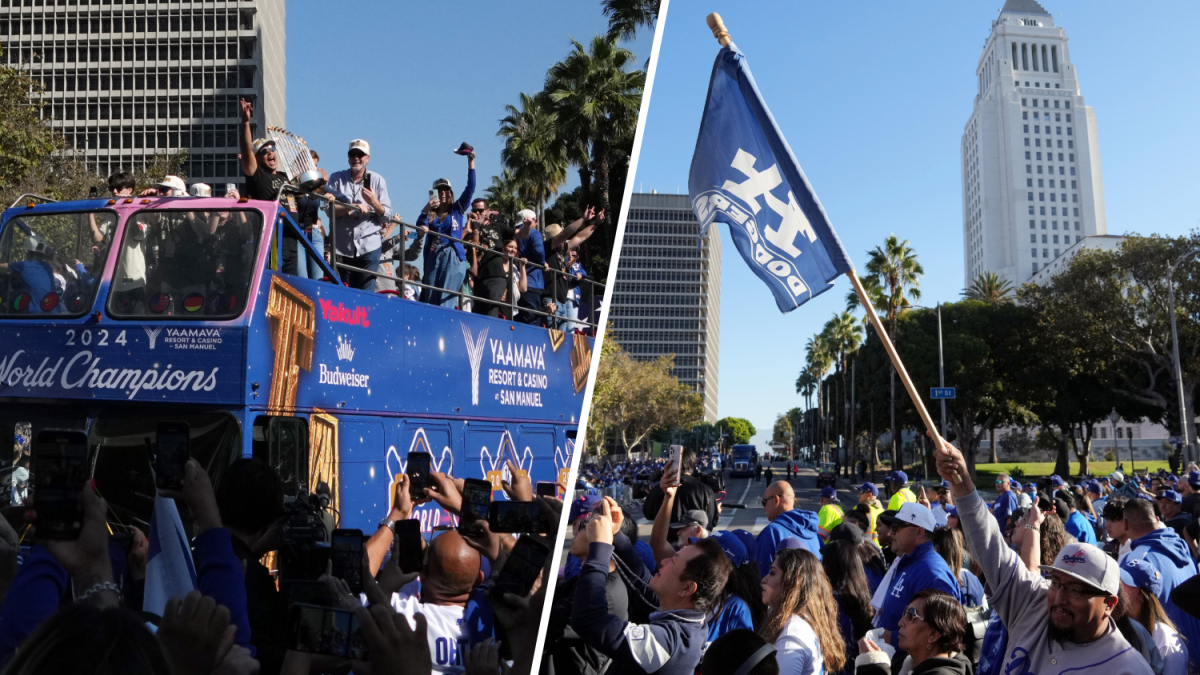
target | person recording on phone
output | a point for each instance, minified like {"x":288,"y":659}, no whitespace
{"x":445,"y":259}
{"x":692,"y":494}
{"x":359,"y":225}
{"x":687,"y":586}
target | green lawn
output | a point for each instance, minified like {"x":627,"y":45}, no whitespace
{"x":1039,"y":469}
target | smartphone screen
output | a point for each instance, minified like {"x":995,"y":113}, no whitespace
{"x":418,"y":474}
{"x":306,"y":592}
{"x":525,"y":562}
{"x":323,"y":630}
{"x":476,"y":498}
{"x":171,"y":455}
{"x":60,"y":468}
{"x":348,"y":557}
{"x":517,"y":517}
{"x":545,"y":488}
{"x":407,"y":546}
{"x":676,"y":458}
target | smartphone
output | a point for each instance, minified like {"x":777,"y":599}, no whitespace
{"x":171,"y":455}
{"x":476,"y":499}
{"x":524,"y":563}
{"x":545,"y":488}
{"x":676,"y":459}
{"x":230,"y":187}
{"x":418,"y":474}
{"x":307,"y":592}
{"x":60,"y":468}
{"x":407,"y":545}
{"x":348,"y":557}
{"x":324,"y":630}
{"x":517,"y":517}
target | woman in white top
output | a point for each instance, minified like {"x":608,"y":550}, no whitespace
{"x":1142,"y":583}
{"x":802,"y":615}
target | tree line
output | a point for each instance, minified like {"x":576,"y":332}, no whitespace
{"x":1056,"y":357}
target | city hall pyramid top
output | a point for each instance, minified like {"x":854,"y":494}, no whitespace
{"x":1024,"y":7}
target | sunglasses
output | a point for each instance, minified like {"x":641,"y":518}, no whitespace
{"x":912,"y":615}
{"x":767,"y":500}
{"x":357,"y":153}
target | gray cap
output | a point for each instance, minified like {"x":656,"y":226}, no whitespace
{"x":692,"y":517}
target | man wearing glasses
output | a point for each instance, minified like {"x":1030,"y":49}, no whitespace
{"x":787,"y":521}
{"x":359,"y":225}
{"x":1061,"y":623}
{"x":918,"y":568}
{"x":1006,"y":502}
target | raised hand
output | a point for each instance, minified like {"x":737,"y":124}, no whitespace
{"x":195,"y":634}
{"x":446,"y":491}
{"x":600,"y":526}
{"x":247,"y":110}
{"x":395,"y":648}
{"x":521,"y":489}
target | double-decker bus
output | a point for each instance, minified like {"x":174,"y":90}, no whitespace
{"x":743,"y":459}
{"x":117,"y":316}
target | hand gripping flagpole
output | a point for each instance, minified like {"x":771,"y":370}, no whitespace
{"x":722,"y":35}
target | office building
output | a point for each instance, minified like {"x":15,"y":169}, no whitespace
{"x":1030,"y":151}
{"x":667,"y":298}
{"x":126,"y":81}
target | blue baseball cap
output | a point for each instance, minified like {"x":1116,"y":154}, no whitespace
{"x":951,"y":510}
{"x":583,"y":506}
{"x":869,"y":487}
{"x":944,"y":485}
{"x":1056,"y":481}
{"x":1030,"y":487}
{"x":789,"y":542}
{"x":1193,"y":478}
{"x":899,"y":477}
{"x":828,"y":492}
{"x":733,"y":547}
{"x":1015,"y":485}
{"x":1093,"y":486}
{"x":1138,"y":570}
{"x":747,"y":540}
{"x":1171,"y":495}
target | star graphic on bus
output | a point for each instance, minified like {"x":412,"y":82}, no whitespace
{"x":495,"y":468}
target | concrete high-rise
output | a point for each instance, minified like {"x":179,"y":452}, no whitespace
{"x":126,"y":81}
{"x":1030,"y":151}
{"x":667,"y":298}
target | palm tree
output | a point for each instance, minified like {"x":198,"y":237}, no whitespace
{"x":596,"y":103}
{"x":502,"y":195}
{"x":990,"y":288}
{"x":820,"y":358}
{"x":626,"y":16}
{"x":533,"y":152}
{"x":844,"y":336}
{"x":897,"y":274}
{"x":806,"y":384}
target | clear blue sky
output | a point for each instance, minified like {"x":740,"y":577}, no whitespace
{"x":417,"y":79}
{"x":873,"y":97}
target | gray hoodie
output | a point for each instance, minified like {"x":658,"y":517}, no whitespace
{"x":1019,"y":597}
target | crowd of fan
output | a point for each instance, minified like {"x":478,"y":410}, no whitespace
{"x":76,"y":606}
{"x":1054,"y":577}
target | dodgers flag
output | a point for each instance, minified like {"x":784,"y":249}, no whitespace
{"x":170,"y":571}
{"x":745,"y":175}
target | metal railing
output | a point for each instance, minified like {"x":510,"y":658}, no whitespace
{"x":596,"y":289}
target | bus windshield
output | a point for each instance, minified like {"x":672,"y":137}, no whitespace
{"x":51,"y":263}
{"x":186,"y":264}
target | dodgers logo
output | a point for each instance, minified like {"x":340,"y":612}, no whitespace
{"x":1019,"y":663}
{"x":1073,"y":559}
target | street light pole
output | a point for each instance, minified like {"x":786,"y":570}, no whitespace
{"x":941,"y":371}
{"x":1185,"y":425}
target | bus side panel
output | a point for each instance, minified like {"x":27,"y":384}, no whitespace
{"x":537,"y":447}
{"x":363,"y":473}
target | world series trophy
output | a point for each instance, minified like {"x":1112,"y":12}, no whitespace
{"x":296,"y":159}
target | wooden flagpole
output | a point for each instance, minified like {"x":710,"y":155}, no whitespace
{"x":722,"y":35}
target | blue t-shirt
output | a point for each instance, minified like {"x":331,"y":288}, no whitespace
{"x":37,"y":277}
{"x":1004,"y":506}
{"x":533,"y":249}
{"x":735,"y":614}
{"x":1079,"y":527}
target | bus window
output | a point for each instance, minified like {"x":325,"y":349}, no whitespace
{"x":284,"y":442}
{"x":51,"y":263}
{"x":186,"y":264}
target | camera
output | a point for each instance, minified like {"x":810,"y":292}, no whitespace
{"x":307,"y":544}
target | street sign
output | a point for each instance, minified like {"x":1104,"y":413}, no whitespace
{"x":942,"y":392}
{"x":1175,"y":440}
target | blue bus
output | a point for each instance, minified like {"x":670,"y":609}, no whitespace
{"x":743,"y":459}
{"x":121,"y":315}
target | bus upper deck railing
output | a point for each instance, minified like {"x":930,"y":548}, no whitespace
{"x":596,"y":289}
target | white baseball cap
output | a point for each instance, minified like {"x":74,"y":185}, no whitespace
{"x":1089,"y":565}
{"x":526,"y":213}
{"x":913,"y":514}
{"x":200,"y":190}
{"x":361,"y":145}
{"x":173,"y":183}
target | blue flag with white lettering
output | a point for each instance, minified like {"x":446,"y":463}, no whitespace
{"x":745,"y":175}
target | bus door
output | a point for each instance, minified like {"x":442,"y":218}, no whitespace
{"x":488,"y":445}
{"x":437,"y":439}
